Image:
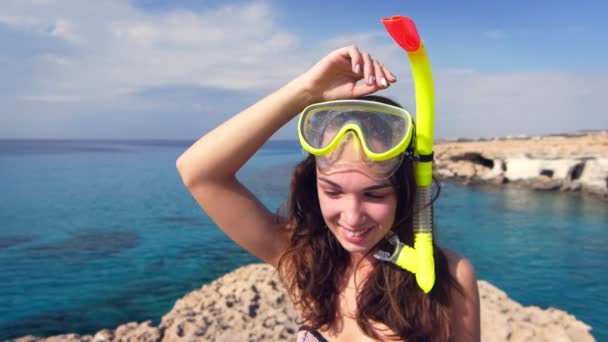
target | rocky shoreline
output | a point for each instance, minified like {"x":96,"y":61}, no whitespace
{"x":249,"y":304}
{"x":568,"y":163}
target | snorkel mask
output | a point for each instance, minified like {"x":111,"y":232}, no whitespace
{"x":376,"y":134}
{"x":384,"y":134}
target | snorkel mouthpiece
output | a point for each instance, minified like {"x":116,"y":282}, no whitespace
{"x":419,"y":259}
{"x":403,"y":30}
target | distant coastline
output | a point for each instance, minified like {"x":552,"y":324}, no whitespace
{"x":580,"y":133}
{"x":570,"y":162}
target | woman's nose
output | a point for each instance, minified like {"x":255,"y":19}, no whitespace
{"x":353,"y":213}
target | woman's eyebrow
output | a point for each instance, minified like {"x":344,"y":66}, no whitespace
{"x":369,"y":188}
{"x":329,"y":182}
{"x":378,"y":186}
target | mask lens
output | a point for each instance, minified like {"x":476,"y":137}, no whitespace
{"x":381,"y":131}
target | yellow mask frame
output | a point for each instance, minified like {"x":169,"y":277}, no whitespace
{"x":353,"y":115}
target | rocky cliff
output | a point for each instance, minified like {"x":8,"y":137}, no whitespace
{"x":574,"y":162}
{"x":249,"y":304}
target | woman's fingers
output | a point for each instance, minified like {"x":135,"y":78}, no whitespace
{"x":371,"y":70}
{"x":381,"y":78}
{"x":368,"y":69}
{"x":390,"y":77}
{"x":345,"y":67}
{"x":355,"y":59}
{"x":374,"y":73}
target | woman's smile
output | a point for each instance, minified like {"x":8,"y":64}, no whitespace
{"x":356,"y":235}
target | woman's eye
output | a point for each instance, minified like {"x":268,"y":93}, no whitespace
{"x":332,"y":193}
{"x":375,"y":196}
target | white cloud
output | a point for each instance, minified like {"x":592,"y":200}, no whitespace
{"x":469,"y":103}
{"x":19,"y":21}
{"x":475,"y":104}
{"x":51,"y":98}
{"x":115,"y":49}
{"x":64,"y":29}
{"x":108,"y":56}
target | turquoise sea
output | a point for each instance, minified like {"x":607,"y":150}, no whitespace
{"x":94,"y":234}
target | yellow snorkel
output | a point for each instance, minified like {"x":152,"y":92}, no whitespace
{"x":419,"y":259}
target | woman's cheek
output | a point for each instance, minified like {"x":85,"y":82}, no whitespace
{"x":328,"y":208}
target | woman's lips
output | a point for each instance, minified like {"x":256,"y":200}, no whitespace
{"x":355,"y":235}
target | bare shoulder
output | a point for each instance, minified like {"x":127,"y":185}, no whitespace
{"x":460,"y":267}
{"x":465,"y":315}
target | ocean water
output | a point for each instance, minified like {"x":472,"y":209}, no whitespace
{"x":94,"y":234}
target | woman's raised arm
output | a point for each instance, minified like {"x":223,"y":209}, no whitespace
{"x":209,"y":166}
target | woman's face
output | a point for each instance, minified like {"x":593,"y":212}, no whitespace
{"x":358,"y":210}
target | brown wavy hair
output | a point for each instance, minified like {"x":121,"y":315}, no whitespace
{"x":314,"y":265}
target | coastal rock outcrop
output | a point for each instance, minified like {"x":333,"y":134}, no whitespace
{"x":575,"y":162}
{"x":503,"y":319}
{"x":250,"y":304}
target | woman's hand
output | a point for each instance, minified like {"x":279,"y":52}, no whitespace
{"x":336,"y":75}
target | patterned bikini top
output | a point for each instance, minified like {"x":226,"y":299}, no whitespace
{"x":308,"y":334}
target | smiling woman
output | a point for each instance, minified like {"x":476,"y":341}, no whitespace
{"x":342,"y":209}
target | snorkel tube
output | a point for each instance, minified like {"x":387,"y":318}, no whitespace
{"x":419,"y":260}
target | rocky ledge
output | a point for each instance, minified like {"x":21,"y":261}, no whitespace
{"x":574,"y":162}
{"x":249,"y":304}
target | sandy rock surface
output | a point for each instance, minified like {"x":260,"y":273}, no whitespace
{"x":249,"y":304}
{"x":577,"y":162}
{"x":503,"y":319}
{"x":593,"y":144}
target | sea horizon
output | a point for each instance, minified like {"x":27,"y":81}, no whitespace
{"x":514,"y":136}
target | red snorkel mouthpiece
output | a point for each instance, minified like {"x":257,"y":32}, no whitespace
{"x":403,"y":30}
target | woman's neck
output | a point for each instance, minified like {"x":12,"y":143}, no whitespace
{"x":357,"y":271}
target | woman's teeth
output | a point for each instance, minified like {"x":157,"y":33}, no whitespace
{"x":355,"y":234}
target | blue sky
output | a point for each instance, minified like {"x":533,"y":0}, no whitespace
{"x":176,"y":69}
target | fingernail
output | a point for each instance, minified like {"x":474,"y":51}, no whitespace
{"x":357,"y":68}
{"x":393,"y":77}
{"x":384,"y":82}
{"x":371,"y":80}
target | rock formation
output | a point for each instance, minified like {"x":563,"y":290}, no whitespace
{"x":577,"y":162}
{"x":249,"y":304}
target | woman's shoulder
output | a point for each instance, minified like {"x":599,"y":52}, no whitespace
{"x":460,"y":267}
{"x":465,"y":304}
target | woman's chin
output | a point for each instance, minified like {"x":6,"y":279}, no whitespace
{"x":355,"y":249}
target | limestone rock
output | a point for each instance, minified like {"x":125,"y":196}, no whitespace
{"x":57,"y":338}
{"x":503,"y":319}
{"x":137,"y":332}
{"x":250,"y":304}
{"x":595,"y":174}
{"x":577,"y":162}
{"x":104,"y":335}
{"x":544,"y":183}
{"x":525,"y":168}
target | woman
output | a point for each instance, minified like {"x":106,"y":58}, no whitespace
{"x":340,"y":213}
